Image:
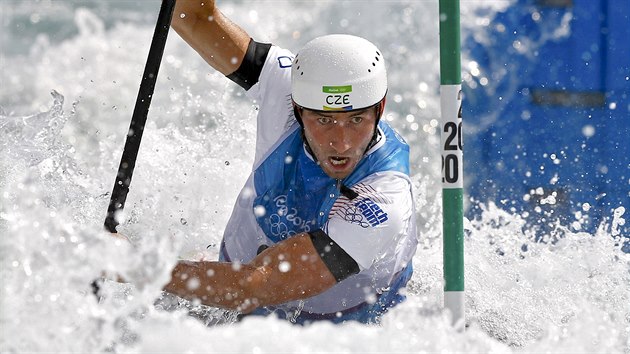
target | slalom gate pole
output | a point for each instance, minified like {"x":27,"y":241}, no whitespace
{"x":452,"y":160}
{"x":139,"y":117}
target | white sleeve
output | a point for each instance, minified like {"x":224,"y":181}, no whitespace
{"x":371,"y":226}
{"x":272,"y":93}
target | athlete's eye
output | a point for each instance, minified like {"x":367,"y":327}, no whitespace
{"x":324,"y":120}
{"x":356,"y":119}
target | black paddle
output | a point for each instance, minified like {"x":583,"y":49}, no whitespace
{"x":139,"y":117}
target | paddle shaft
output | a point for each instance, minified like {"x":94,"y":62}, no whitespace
{"x":139,"y":117}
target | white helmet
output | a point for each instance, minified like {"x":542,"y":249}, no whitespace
{"x":338,"y":72}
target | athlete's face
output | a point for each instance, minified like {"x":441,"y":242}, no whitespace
{"x":339,"y":139}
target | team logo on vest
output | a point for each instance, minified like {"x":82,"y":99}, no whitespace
{"x":337,"y":98}
{"x":371,"y":211}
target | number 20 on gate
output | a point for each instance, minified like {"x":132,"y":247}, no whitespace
{"x":452,"y":147}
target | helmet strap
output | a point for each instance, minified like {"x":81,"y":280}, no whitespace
{"x":297,"y":112}
{"x":380,"y":108}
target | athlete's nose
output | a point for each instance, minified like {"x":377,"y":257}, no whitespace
{"x":340,"y":138}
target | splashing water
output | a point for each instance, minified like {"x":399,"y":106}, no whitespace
{"x":59,"y":159}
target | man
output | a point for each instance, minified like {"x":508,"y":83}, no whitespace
{"x":324,"y":227}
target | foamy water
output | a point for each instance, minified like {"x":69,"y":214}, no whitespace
{"x":70,"y":72}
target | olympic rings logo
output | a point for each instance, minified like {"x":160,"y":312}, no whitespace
{"x":278,"y":228}
{"x":353,"y":215}
{"x":286,"y":222}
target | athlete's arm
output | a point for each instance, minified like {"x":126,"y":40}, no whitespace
{"x":220,"y":42}
{"x":287,"y":271}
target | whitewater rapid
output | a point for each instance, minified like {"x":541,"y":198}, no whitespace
{"x":69,"y":78}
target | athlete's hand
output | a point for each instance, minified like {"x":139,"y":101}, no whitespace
{"x":97,"y":283}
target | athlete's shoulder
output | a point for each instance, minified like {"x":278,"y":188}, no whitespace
{"x":282,"y":58}
{"x":392,"y":133}
{"x":279,"y":59}
{"x":384,"y":183}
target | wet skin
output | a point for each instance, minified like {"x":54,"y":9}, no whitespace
{"x":339,"y":139}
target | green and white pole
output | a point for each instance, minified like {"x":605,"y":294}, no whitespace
{"x":452,"y":160}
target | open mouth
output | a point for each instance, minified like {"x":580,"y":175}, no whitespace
{"x":338,"y":161}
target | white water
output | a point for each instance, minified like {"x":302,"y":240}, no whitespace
{"x":60,"y":154}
